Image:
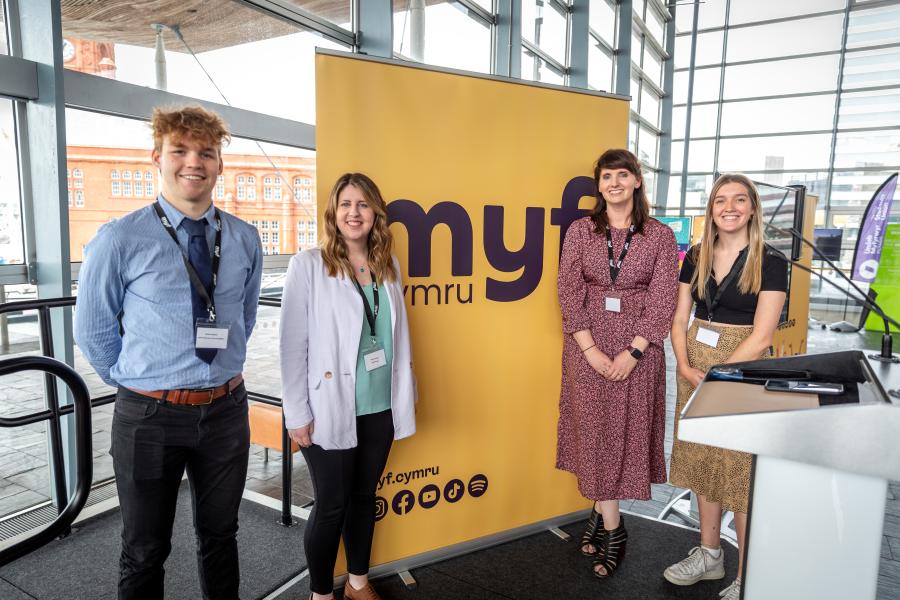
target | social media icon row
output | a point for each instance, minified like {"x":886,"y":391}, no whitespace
{"x":430,"y":495}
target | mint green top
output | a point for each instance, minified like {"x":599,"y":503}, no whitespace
{"x":373,"y":388}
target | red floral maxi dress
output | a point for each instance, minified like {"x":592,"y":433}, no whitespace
{"x":611,"y":434}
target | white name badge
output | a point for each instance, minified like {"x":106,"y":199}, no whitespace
{"x":211,"y":335}
{"x":613,"y":304}
{"x":708,"y":337}
{"x":374,"y":359}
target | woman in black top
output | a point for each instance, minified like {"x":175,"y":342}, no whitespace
{"x":739,"y":287}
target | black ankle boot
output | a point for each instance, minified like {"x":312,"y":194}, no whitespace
{"x":591,"y":535}
{"x":612,"y":550}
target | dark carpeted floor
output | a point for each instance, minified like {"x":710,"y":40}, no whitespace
{"x":84,"y":566}
{"x":543,"y":567}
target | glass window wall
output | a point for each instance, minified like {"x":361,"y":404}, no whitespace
{"x":786,"y":38}
{"x":706,"y":85}
{"x":711,"y":14}
{"x":223,"y":55}
{"x":709,"y":49}
{"x":777,"y":104}
{"x":880,"y":67}
{"x":603,"y":20}
{"x":536,"y":68}
{"x":3,"y":43}
{"x":544,"y":24}
{"x":751,"y":11}
{"x":780,"y":77}
{"x":12,"y":250}
{"x":600,"y":67}
{"x":778,"y":115}
{"x":335,"y":11}
{"x":445,"y":24}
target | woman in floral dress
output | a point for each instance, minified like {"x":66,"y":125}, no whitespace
{"x":618,"y":285}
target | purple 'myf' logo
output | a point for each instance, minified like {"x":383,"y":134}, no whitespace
{"x":529,"y":258}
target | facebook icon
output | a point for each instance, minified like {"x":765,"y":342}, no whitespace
{"x":403,"y":502}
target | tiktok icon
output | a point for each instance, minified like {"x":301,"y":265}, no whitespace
{"x":453,"y":491}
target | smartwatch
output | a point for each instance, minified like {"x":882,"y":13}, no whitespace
{"x":637,"y":354}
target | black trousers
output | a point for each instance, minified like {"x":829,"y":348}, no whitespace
{"x":152,"y":445}
{"x":344,"y":483}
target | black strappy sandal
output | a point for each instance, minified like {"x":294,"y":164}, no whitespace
{"x":612,"y":550}
{"x":591,"y":535}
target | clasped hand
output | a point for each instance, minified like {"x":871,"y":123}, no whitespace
{"x":302,"y":435}
{"x":617,"y":369}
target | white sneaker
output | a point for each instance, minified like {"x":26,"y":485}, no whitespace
{"x":732,"y":592}
{"x":700,"y":564}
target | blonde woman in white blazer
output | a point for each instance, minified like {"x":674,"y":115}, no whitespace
{"x":347,"y":379}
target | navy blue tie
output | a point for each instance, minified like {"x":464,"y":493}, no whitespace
{"x":198,"y":254}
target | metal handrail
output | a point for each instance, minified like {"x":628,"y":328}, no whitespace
{"x":43,"y":306}
{"x":83,"y":455}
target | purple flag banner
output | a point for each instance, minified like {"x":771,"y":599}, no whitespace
{"x":871,"y":232}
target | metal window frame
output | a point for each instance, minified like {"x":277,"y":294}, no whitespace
{"x":666,"y":115}
{"x":775,"y":21}
{"x":648,"y":36}
{"x":578,"y":42}
{"x":721,"y":89}
{"x":753,"y":61}
{"x":870,"y":88}
{"x":646,"y":78}
{"x":303,"y":18}
{"x":879,"y":168}
{"x":554,"y":64}
{"x":597,"y":39}
{"x":374,"y":26}
{"x":622,"y":74}
{"x":116,"y":98}
{"x":506,"y":53}
{"x":565,"y":11}
{"x":478,"y":13}
{"x":663,"y":13}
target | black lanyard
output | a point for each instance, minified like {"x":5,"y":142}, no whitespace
{"x":192,"y":272}
{"x":736,"y":268}
{"x":370,"y":314}
{"x":616,"y":266}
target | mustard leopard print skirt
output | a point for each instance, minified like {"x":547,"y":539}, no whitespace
{"x":718,"y":474}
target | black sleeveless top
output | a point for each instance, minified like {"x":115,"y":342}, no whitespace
{"x":734,"y":307}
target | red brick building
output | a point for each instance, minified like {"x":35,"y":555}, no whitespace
{"x":107,"y":183}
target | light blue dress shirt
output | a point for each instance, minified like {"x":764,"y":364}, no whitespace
{"x":133,"y":268}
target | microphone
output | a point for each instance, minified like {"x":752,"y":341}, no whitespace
{"x":886,"y":354}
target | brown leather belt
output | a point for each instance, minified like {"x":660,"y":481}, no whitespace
{"x":193,"y":397}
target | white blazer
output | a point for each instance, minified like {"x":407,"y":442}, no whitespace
{"x":321,"y":321}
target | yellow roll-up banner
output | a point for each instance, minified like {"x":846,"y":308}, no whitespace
{"x":481,"y":176}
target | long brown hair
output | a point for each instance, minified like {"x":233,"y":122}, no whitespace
{"x":618,"y":158}
{"x":334,"y":248}
{"x":750,"y":280}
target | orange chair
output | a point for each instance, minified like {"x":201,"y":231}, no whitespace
{"x":265,"y":428}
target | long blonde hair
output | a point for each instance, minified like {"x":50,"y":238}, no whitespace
{"x":750,"y":280}
{"x":334,"y":248}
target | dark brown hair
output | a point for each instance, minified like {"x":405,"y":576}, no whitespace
{"x":618,"y":158}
